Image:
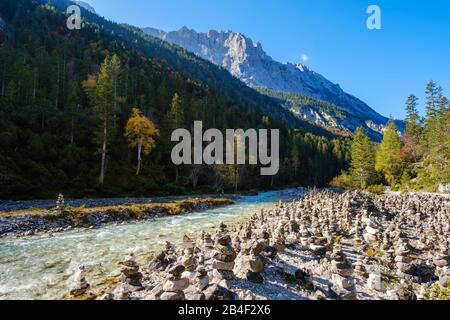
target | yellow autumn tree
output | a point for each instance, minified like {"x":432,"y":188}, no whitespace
{"x":140,"y":131}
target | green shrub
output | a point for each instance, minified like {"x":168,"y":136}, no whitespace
{"x":376,"y":189}
{"x":344,"y":181}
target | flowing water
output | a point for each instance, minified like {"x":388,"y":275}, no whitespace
{"x":40,"y":267}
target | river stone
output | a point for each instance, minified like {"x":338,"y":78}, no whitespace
{"x":270,"y":252}
{"x":403,"y":259}
{"x":173,"y":296}
{"x":220,"y":265}
{"x":177,"y":270}
{"x":255,"y":277}
{"x":371,"y":230}
{"x":155,"y":293}
{"x":318,"y":251}
{"x":176,"y":285}
{"x":195,"y":296}
{"x":224,"y":240}
{"x":216,"y":292}
{"x":225,"y":258}
{"x":342,"y":282}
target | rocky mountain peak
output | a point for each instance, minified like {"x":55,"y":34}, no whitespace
{"x":247,"y":60}
{"x":86,"y":6}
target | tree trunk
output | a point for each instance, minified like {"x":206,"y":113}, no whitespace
{"x":4,"y":79}
{"x":34,"y":86}
{"x":57,"y":87}
{"x":139,"y":156}
{"x":236,"y":169}
{"x":72,"y":125}
{"x":102,"y":170}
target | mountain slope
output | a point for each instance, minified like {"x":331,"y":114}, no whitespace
{"x":86,"y":6}
{"x":50,"y":128}
{"x":247,"y":60}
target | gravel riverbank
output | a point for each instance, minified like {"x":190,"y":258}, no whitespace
{"x":323,"y":246}
{"x":25,"y":223}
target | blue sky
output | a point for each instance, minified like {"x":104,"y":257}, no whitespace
{"x":381,"y":67}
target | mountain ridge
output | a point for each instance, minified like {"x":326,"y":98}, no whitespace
{"x":247,"y":60}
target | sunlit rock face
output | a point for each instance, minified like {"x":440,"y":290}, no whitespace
{"x":247,"y":60}
{"x":86,"y":6}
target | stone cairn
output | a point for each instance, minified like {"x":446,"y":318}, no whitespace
{"x":189,"y":260}
{"x":375,"y":281}
{"x":224,"y":257}
{"x":202,"y":278}
{"x":342,"y":277}
{"x":60,"y":204}
{"x":251,"y":262}
{"x":79,"y":285}
{"x":175,"y":284}
{"x":403,"y":261}
{"x":130,"y":272}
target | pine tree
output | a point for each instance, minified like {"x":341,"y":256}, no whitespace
{"x":388,"y":158}
{"x":363,"y":159}
{"x":140,"y":131}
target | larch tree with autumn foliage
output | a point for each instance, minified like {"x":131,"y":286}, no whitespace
{"x":140,"y":132}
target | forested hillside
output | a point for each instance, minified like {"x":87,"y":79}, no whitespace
{"x":417,"y":160}
{"x":67,"y":99}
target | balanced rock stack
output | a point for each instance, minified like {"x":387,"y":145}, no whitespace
{"x":161,"y":262}
{"x":60,"y":204}
{"x":224,"y":257}
{"x":371,"y":231}
{"x":189,"y":260}
{"x":375,"y":281}
{"x":202,"y":278}
{"x":279,"y":241}
{"x":130,"y":272}
{"x":208,"y":243}
{"x":442,"y":258}
{"x":360,"y":268}
{"x":442,"y":267}
{"x":251,"y":262}
{"x":79,"y":285}
{"x":403,"y":261}
{"x":175,"y":284}
{"x":342,"y":277}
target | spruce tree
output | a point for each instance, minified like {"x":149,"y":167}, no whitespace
{"x":411,"y":148}
{"x":175,"y":120}
{"x":363,"y":159}
{"x":388,"y":158}
{"x":101,"y":93}
{"x":412,"y":116}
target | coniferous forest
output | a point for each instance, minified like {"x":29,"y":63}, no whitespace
{"x":417,"y":159}
{"x":89,"y":113}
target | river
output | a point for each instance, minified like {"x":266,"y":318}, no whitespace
{"x":40,"y":267}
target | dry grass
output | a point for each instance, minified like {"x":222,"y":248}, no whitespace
{"x":124,"y":212}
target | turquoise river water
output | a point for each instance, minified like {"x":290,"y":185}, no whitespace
{"x":40,"y":267}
